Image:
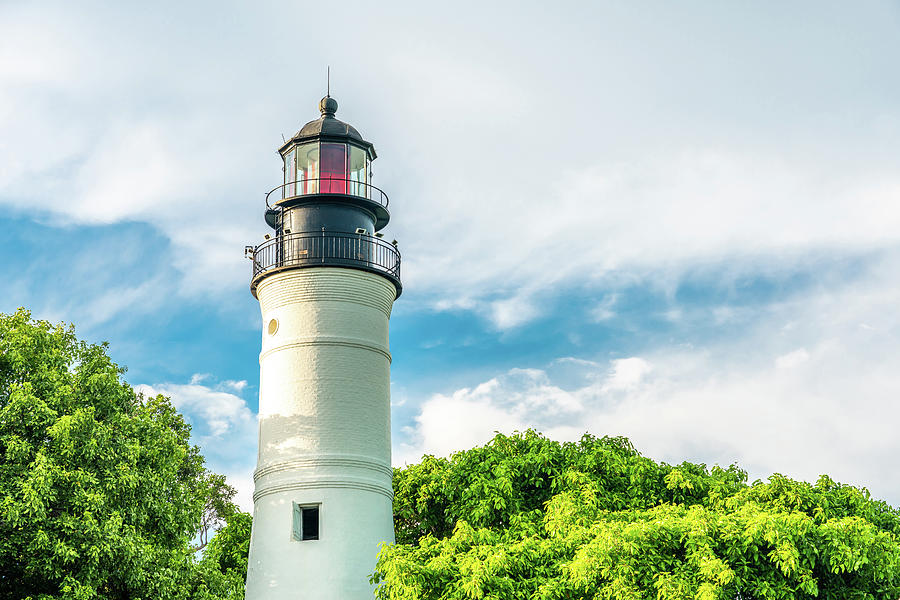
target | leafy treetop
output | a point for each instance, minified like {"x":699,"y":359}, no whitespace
{"x":524,"y":517}
{"x":101,"y":491}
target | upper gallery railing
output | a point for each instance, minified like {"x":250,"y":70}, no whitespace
{"x":327,"y":185}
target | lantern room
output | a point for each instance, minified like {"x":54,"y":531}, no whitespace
{"x":327,"y":156}
{"x":326,"y":167}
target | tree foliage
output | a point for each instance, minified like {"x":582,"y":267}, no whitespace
{"x":101,"y":491}
{"x":527,"y":518}
{"x":217,"y":508}
{"x":228,"y":551}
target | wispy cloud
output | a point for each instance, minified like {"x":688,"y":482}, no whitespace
{"x":659,"y":217}
{"x":603,"y":310}
{"x":491,"y":216}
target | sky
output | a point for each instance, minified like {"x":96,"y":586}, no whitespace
{"x":676,"y":222}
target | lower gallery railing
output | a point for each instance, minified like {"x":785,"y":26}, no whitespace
{"x":309,"y":249}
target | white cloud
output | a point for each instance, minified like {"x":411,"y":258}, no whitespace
{"x":217,"y":413}
{"x":627,"y":373}
{"x":442,"y":418}
{"x":513,"y":311}
{"x":242,"y":481}
{"x":469,"y":416}
{"x":237,"y":386}
{"x":792,"y":359}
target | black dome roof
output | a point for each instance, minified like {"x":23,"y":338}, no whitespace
{"x":329,"y":128}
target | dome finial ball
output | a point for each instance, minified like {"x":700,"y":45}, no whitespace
{"x":328,"y":106}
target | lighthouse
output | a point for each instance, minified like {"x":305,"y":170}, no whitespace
{"x":326,"y":281}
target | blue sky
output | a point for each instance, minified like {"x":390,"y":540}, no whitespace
{"x":677,"y":223}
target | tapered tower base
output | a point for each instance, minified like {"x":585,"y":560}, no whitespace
{"x":323,"y":499}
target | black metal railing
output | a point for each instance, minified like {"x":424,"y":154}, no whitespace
{"x":326,"y":248}
{"x":327,"y":186}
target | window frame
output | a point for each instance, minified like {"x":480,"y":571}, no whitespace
{"x":297,"y":521}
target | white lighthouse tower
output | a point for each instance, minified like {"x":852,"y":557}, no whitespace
{"x":326,"y":282}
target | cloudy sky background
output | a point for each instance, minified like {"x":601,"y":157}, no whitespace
{"x":673,"y":222}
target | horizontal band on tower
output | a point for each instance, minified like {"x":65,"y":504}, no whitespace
{"x":324,"y":484}
{"x":324,"y":284}
{"x":325,"y":461}
{"x":329,"y":341}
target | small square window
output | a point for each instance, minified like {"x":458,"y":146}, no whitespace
{"x":306,"y":522}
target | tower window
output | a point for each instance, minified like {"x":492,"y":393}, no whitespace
{"x":306,"y":522}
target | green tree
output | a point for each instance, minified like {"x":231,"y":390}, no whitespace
{"x":217,"y":509}
{"x":527,"y":518}
{"x":101,"y":492}
{"x":227,"y":552}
